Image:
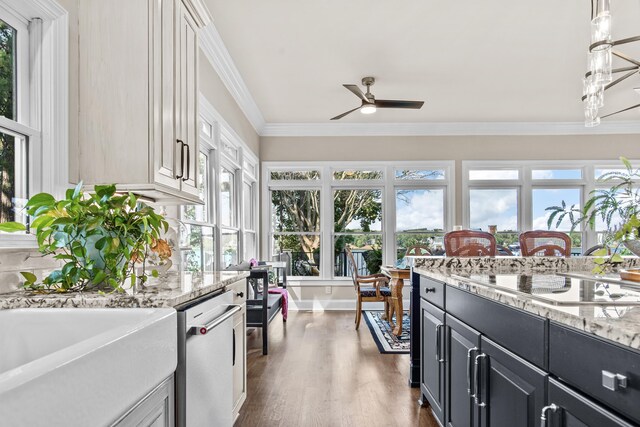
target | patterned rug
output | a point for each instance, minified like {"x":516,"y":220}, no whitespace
{"x":381,"y":332}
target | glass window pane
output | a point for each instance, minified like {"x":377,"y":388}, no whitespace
{"x":493,"y":207}
{"x":8,"y":76}
{"x":229,"y":247}
{"x":227,"y":198}
{"x":13,"y":177}
{"x":295,"y":210}
{"x":295,"y":175}
{"x":357,"y":210}
{"x":201,"y":256}
{"x":304,"y":250}
{"x":420,"y":174}
{"x":206,"y":128}
{"x":543,"y":198}
{"x":229,"y":150}
{"x":556,"y":174}
{"x":434,"y":243}
{"x":600,"y":172}
{"x":367,"y":252}
{"x":351,"y":174}
{"x":420,"y":210}
{"x":248,"y":206}
{"x":493,"y":174}
{"x":250,"y":243}
{"x":199,"y":212}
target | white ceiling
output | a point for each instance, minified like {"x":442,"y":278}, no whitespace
{"x":471,"y":61}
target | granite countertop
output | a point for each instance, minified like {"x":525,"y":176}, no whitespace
{"x":620,"y":324}
{"x":170,"y":290}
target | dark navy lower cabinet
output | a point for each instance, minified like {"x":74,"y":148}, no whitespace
{"x":568,"y":408}
{"x":463,"y":344}
{"x":510,"y":392}
{"x":432,"y":353}
{"x":483,"y":364}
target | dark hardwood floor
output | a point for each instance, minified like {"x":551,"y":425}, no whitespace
{"x":320,"y":371}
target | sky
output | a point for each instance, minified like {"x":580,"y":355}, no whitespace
{"x":420,"y":209}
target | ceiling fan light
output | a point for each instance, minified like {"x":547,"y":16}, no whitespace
{"x":368,"y":109}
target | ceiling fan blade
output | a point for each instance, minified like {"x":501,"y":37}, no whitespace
{"x":344,"y":114}
{"x":622,"y":111}
{"x":388,"y":103}
{"x":357,"y":92}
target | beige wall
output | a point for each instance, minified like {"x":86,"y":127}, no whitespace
{"x":217,"y":94}
{"x":458,"y":148}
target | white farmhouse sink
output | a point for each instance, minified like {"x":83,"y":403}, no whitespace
{"x":81,"y":367}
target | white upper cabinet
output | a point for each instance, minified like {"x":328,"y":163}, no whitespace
{"x":138,"y":96}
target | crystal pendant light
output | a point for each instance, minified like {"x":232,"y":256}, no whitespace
{"x":600,"y":66}
{"x":601,"y":26}
{"x":591,"y":117}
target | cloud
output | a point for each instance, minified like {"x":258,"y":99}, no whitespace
{"x":493,"y":174}
{"x":420,"y":209}
{"x":489,"y":207}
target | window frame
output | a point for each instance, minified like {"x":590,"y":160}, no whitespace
{"x":44,"y":120}
{"x":526,"y":184}
{"x":326,"y":185}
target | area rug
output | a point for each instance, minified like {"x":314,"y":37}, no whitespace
{"x":386,"y":341}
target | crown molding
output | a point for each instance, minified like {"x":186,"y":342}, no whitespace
{"x":446,"y":129}
{"x":216,"y":52}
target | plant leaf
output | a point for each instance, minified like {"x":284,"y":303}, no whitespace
{"x":12,"y":227}
{"x":29,"y":277}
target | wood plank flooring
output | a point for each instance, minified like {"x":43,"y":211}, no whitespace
{"x":321,"y":372}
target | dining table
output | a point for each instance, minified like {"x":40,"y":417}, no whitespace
{"x":396,"y":276}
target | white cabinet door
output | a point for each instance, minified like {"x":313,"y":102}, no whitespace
{"x":155,"y":410}
{"x":187,"y":107}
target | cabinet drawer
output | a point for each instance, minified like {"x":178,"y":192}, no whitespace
{"x":239,"y":290}
{"x":520,"y":332}
{"x":576,"y":409}
{"x":582,"y":360}
{"x":432,"y":291}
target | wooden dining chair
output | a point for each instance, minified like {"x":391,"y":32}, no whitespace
{"x":469,"y":243}
{"x":417,"y":250}
{"x":369,"y":288}
{"x":545,"y":243}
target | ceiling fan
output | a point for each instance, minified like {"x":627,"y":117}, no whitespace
{"x":370,"y":104}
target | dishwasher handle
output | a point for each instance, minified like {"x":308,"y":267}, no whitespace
{"x":203,"y":329}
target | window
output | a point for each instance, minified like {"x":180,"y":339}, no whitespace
{"x":295,"y":225}
{"x":198,"y":235}
{"x":319,"y":209}
{"x":519,"y":198}
{"x":14,"y":108}
{"x":33,"y":123}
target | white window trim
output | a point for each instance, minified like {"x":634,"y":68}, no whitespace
{"x":224,"y":133}
{"x":49,"y":101}
{"x":326,"y":184}
{"x":526,"y":184}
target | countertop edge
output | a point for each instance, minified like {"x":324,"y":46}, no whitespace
{"x":620,"y":331}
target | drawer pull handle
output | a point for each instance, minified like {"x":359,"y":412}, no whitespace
{"x":612,"y":381}
{"x":240,"y":294}
{"x":427,"y":290}
{"x":470,"y":354}
{"x":543,"y":415}
{"x":476,"y":386}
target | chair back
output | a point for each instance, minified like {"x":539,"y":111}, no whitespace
{"x":469,"y":243}
{"x":545,"y":243}
{"x":354,"y":267}
{"x":417,"y":250}
{"x":503,"y":251}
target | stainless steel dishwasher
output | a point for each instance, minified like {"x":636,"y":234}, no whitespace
{"x":204,"y":377}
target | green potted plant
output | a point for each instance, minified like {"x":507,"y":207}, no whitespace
{"x":102,"y":238}
{"x":617,"y":206}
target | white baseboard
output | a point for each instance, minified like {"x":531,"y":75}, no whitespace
{"x":335,"y":305}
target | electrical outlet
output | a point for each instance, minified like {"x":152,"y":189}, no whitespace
{"x":327,"y":290}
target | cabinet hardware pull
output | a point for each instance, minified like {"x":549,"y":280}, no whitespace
{"x":470,"y":352}
{"x":234,"y":348}
{"x":543,"y":416}
{"x":179,"y":141}
{"x":439,"y":357}
{"x":612,"y":381}
{"x":240,"y":294}
{"x":427,"y":290}
{"x":476,"y":393}
{"x":188,"y":163}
